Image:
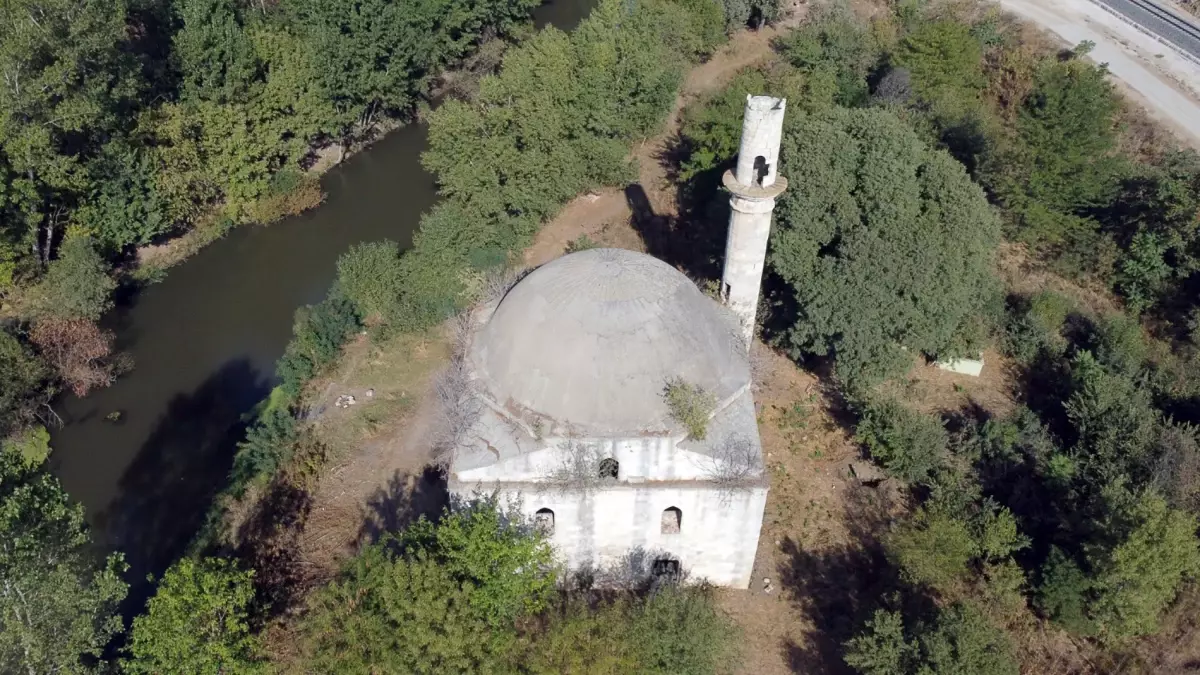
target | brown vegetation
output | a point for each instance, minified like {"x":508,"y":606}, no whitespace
{"x":78,"y":350}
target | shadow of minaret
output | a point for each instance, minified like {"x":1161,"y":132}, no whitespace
{"x":694,"y":244}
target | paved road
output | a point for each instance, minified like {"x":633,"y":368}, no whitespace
{"x":1162,"y":22}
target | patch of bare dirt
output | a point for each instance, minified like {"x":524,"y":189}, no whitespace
{"x":377,"y":479}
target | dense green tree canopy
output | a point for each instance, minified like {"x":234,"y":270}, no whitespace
{"x":885,"y":242}
{"x":196,"y":622}
{"x":57,"y":602}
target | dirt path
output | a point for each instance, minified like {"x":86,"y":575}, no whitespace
{"x":1153,"y":75}
{"x":590,"y":215}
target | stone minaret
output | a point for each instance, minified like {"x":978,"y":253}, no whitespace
{"x":754,"y":185}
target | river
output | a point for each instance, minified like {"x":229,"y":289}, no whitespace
{"x":204,"y":343}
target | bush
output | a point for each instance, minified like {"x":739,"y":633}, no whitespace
{"x":690,"y":405}
{"x":752,"y":13}
{"x":318,"y":334}
{"x":400,"y":615}
{"x":898,"y":254}
{"x":909,"y":444}
{"x":1063,"y":592}
{"x":196,"y":622}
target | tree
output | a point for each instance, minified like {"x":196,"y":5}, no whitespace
{"x":1133,"y":581}
{"x":216,"y":57}
{"x":57,"y":603}
{"x":943,"y":58}
{"x":124,"y":206}
{"x":24,"y":383}
{"x":376,"y":56}
{"x":370,"y":275}
{"x":885,"y":244}
{"x":508,"y":564}
{"x":1065,"y":131}
{"x":77,"y":285}
{"x":960,"y":641}
{"x":406,"y":614}
{"x":196,"y":622}
{"x":66,"y":82}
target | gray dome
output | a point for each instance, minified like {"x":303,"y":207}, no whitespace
{"x":590,"y":340}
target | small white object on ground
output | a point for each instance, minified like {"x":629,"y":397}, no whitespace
{"x":972,"y":367}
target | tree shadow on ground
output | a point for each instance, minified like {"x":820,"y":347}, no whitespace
{"x":167,"y":490}
{"x":839,"y":587}
{"x":696,"y":245}
{"x":404,"y":500}
{"x":270,"y":545}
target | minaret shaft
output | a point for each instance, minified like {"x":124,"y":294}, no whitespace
{"x":753,"y":184}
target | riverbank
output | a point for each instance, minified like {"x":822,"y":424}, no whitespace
{"x":205,"y":341}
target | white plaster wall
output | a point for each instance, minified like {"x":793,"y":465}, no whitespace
{"x":717,"y":541}
{"x":641,"y":459}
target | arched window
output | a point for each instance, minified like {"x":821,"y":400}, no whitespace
{"x":609,"y":468}
{"x":761,"y":169}
{"x":672,"y":520}
{"x":543,"y":520}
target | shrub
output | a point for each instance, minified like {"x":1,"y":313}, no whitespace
{"x":402,"y":615}
{"x":31,"y":444}
{"x":909,"y":444}
{"x":270,"y":443}
{"x":1062,"y":593}
{"x":196,"y":622}
{"x":752,"y":13}
{"x":834,"y":45}
{"x":690,"y":405}
{"x":318,"y":333}
{"x":1143,"y":272}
